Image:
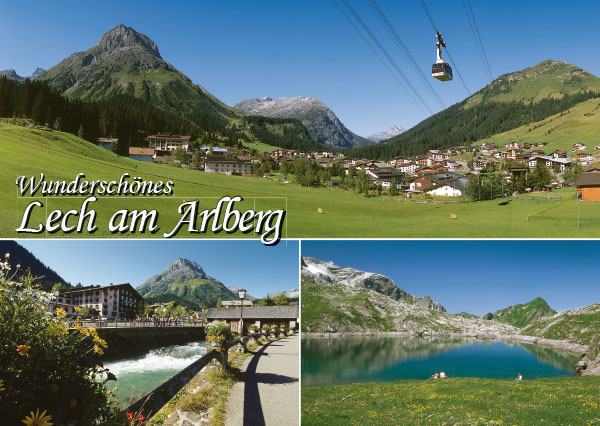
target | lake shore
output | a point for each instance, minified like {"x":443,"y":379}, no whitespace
{"x":593,"y":366}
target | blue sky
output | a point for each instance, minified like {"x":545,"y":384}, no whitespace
{"x":242,"y":49}
{"x":476,"y":276}
{"x":248,"y":264}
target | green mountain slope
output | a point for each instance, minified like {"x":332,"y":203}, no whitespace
{"x":580,"y":325}
{"x":510,"y":101}
{"x":185,"y":282}
{"x":580,"y":123}
{"x":125,"y":62}
{"x":522,"y":315}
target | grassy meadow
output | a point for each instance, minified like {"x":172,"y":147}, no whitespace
{"x":62,"y":156}
{"x":561,"y":131}
{"x":565,"y":401}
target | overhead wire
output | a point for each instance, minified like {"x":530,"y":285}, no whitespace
{"x":455,"y":68}
{"x":381,"y":59}
{"x":387,"y":55}
{"x":392,"y":32}
{"x":477,"y":36}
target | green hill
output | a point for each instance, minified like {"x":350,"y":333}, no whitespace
{"x":127,"y":64}
{"x":548,"y":79}
{"x":512,"y":100}
{"x":185,"y":282}
{"x":522,"y":315}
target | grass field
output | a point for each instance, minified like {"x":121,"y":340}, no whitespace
{"x":564,"y":401}
{"x":62,"y":156}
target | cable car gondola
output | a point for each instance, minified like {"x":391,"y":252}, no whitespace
{"x":441,"y":69}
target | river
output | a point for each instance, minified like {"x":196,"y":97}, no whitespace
{"x":141,"y":374}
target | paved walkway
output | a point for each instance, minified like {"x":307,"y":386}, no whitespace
{"x":269,"y":393}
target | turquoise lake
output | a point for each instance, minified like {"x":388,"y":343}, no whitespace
{"x":139,"y":375}
{"x":350,"y":359}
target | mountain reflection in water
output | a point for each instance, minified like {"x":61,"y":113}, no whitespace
{"x":348,"y":359}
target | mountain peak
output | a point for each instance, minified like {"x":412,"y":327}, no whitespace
{"x":38,"y":71}
{"x":122,"y":37}
{"x":390,"y":133}
{"x":180,"y":264}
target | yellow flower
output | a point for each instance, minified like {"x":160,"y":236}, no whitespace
{"x":60,"y":313}
{"x":53,"y":330}
{"x":21,"y":328}
{"x":23,"y":350}
{"x":100,"y":341}
{"x":98,"y":350}
{"x":77,"y":309}
{"x":81,"y":329}
{"x":38,"y":419}
{"x":2,"y":388}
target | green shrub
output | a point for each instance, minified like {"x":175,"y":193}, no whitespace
{"x":50,"y":369}
{"x":220,"y":333}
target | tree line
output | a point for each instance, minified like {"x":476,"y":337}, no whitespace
{"x":461,"y":126}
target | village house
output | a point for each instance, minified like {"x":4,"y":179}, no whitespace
{"x":578,"y":147}
{"x":409,"y":168}
{"x":584,"y":157}
{"x":588,"y":185}
{"x":489,"y":146}
{"x":536,"y":153}
{"x":559,"y":153}
{"x":512,"y":145}
{"x":109,"y":302}
{"x":513,"y":153}
{"x":106,"y":142}
{"x":217,"y":164}
{"x":61,"y":301}
{"x":550,"y":162}
{"x":168,"y":142}
{"x":278,"y":316}
{"x":385,"y":177}
{"x":440,"y":184}
{"x":141,"y":154}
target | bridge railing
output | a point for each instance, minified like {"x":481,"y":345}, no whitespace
{"x":149,"y":404}
{"x":138,"y":324}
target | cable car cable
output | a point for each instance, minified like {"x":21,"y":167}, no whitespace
{"x":390,"y":29}
{"x":387,"y":55}
{"x":477,"y":36}
{"x":382,"y":60}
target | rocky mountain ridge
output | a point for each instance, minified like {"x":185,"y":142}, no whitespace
{"x":321,"y":122}
{"x":389,"y":133}
{"x":327,"y":272}
{"x":11,"y":74}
